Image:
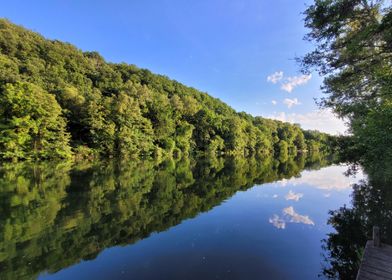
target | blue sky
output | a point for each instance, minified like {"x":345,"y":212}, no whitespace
{"x":227,"y":48}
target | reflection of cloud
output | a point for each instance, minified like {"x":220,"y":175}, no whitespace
{"x":277,"y":222}
{"x":283,"y":182}
{"x":289,"y":216}
{"x":328,"y":178}
{"x":327,"y":195}
{"x":297,"y":218}
{"x":293,"y":196}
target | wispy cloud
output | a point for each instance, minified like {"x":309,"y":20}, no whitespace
{"x":289,"y":216}
{"x":277,"y":222}
{"x":293,"y":196}
{"x":290,"y":83}
{"x":326,"y":179}
{"x":323,"y":120}
{"x":274,"y":102}
{"x":291,"y":102}
{"x":275,"y":77}
{"x":297,"y":218}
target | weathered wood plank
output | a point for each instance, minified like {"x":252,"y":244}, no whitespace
{"x":387,"y":266}
{"x":378,"y":271}
{"x":364,"y":275}
{"x":384,"y":250}
{"x":376,"y":262}
{"x":381,"y":254}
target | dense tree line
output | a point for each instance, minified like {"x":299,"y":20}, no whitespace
{"x":354,"y":52}
{"x":55,"y":215}
{"x":57,"y":101}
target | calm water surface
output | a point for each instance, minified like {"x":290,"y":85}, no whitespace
{"x":221,"y":220}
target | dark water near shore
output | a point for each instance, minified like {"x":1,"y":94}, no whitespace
{"x":214,"y":219}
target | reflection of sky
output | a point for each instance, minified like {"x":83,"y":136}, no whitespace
{"x":289,"y":216}
{"x":243,"y":238}
{"x":326,"y":182}
{"x":278,"y":222}
{"x":293,"y":196}
{"x":322,"y":179}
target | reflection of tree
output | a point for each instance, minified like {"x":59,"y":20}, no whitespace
{"x":372,"y":205}
{"x":52,"y":216}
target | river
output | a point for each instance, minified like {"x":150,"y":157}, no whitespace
{"x":211,"y":219}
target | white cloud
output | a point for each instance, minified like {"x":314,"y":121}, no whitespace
{"x":291,"y":102}
{"x":283,"y":182}
{"x":297,"y":218}
{"x":277,"y":222}
{"x":289,"y":216}
{"x":291,"y":82}
{"x":274,"y":102}
{"x":327,"y":179}
{"x":322,"y":120}
{"x":294,"y":196}
{"x":275,"y":77}
{"x":288,"y":83}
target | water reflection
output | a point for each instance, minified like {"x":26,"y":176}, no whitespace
{"x":277,"y":222}
{"x":289,"y":216}
{"x":294,"y":217}
{"x":371,"y":205}
{"x":293,"y":196}
{"x":54,"y":216}
{"x":323,"y":179}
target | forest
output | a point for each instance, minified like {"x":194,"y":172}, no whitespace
{"x":59,"y":102}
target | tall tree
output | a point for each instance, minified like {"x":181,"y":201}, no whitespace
{"x":354,"y":52}
{"x":31,"y":124}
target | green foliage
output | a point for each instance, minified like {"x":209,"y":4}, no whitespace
{"x":31,"y":124}
{"x":283,"y":151}
{"x":354,"y":52}
{"x":100,"y":108}
{"x":374,"y":135}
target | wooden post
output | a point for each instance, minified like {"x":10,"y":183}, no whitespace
{"x":376,"y":236}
